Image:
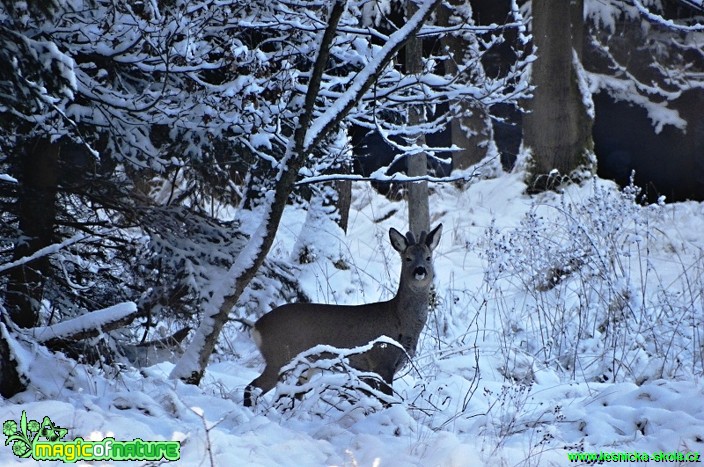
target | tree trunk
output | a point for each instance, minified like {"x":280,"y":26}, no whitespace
{"x":36,"y":203}
{"x":470,"y":127}
{"x":418,"y":209}
{"x":577,"y":22}
{"x":343,"y":200}
{"x":557,"y":128}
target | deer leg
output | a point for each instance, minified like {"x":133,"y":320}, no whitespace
{"x":382,"y":382}
{"x":388,"y":376}
{"x":247,"y":402}
{"x":266,"y":381}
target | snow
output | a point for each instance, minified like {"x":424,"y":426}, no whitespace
{"x":583,"y":86}
{"x":84,"y":322}
{"x":478,"y":393}
{"x":47,"y":250}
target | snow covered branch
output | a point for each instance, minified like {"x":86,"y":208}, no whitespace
{"x":398,"y":177}
{"x":46,"y":251}
{"x":89,"y":325}
{"x":658,"y":19}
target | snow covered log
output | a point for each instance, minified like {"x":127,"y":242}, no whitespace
{"x":88,"y":325}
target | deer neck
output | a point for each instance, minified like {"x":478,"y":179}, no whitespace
{"x":411,"y":305}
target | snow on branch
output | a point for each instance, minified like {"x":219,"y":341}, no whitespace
{"x":47,"y":250}
{"x":627,"y":90}
{"x":313,"y":352}
{"x":664,"y":21}
{"x":379,"y":176}
{"x":89,"y":325}
{"x":323,"y":373}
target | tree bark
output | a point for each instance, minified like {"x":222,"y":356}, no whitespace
{"x":577,"y":23}
{"x":418,"y":208}
{"x":557,"y":127}
{"x":36,"y":209}
{"x":343,"y":202}
{"x":343,"y":199}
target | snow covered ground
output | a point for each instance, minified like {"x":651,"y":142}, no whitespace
{"x":562,"y":324}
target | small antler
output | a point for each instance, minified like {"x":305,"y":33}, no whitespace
{"x":411,"y":238}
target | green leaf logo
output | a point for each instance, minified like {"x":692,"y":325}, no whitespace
{"x":24,"y":436}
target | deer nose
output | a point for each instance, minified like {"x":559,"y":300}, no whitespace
{"x":419,"y":273}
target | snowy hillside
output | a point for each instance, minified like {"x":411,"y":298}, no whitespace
{"x":562,"y":324}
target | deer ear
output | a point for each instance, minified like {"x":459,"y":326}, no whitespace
{"x":433,"y":237}
{"x":398,"y":241}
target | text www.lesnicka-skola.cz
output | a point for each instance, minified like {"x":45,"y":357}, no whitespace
{"x":634,"y":456}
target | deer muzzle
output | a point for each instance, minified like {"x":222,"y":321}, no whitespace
{"x":420,"y":273}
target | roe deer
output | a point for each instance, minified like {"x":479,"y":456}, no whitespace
{"x":293,"y":328}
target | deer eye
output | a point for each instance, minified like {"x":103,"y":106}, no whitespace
{"x":427,"y":258}
{"x":409,"y":259}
